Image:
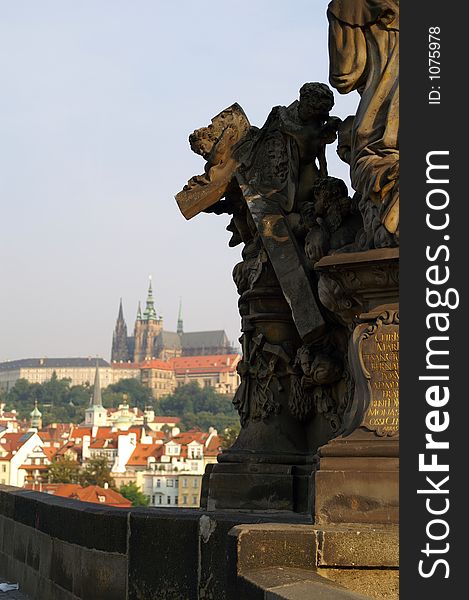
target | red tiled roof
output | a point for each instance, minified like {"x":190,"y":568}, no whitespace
{"x":103,"y":444}
{"x":92,"y":493}
{"x":156,"y":364}
{"x":222,"y":363}
{"x":166,"y":420}
{"x":142,"y":452}
{"x":88,"y":494}
{"x":80,"y":431}
{"x":13,"y":441}
{"x":50,"y":452}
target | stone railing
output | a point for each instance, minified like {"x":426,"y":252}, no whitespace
{"x":60,"y":549}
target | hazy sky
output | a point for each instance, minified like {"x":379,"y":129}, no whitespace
{"x":98,"y":98}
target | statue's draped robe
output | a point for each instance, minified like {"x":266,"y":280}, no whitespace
{"x":364,"y":56}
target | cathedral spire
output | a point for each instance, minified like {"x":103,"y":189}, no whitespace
{"x":120,"y":315}
{"x":150,"y":312}
{"x":139,"y":312}
{"x":180,"y":325}
{"x":120,"y":350}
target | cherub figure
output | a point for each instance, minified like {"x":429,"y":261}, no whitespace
{"x":307,"y":120}
{"x":331,"y":218}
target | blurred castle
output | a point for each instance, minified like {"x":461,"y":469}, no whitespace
{"x":150,"y":340}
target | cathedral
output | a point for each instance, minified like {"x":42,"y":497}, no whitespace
{"x":151,"y":341}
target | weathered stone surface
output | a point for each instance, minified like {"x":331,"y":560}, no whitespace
{"x":171,"y":536}
{"x":358,"y":546}
{"x":89,"y":525}
{"x":103,"y":573}
{"x":277,"y":583}
{"x":379,"y":584}
{"x":366,"y":491}
{"x":267,"y":545}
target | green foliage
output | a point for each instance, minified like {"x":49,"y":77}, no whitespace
{"x":137,"y":394}
{"x":96,"y":472}
{"x":229,"y":435}
{"x":58,"y":400}
{"x":64,"y":470}
{"x":199,"y":407}
{"x":61,"y":402}
{"x":132,"y":492}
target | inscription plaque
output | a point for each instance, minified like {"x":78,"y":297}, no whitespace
{"x":375,"y":361}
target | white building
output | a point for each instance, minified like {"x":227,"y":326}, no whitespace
{"x":15,"y":449}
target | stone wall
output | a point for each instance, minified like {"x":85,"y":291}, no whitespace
{"x":60,"y":549}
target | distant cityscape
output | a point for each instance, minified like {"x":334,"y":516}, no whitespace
{"x":135,"y":448}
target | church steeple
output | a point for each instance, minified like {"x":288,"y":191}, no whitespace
{"x":96,"y":414}
{"x":180,"y":325}
{"x":150,"y":312}
{"x":120,"y":350}
{"x":96,"y":399}
{"x":36,"y":417}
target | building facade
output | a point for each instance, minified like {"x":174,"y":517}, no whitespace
{"x":80,"y":371}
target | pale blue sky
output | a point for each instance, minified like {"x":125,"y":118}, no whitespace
{"x":98,"y":98}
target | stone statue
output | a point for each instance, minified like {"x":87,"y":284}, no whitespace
{"x":287,"y":212}
{"x":364,"y":56}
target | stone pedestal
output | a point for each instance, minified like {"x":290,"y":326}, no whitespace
{"x":358,"y":476}
{"x":271,"y":465}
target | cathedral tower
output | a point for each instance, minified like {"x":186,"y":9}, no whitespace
{"x":147,"y":328}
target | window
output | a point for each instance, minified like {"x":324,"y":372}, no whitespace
{"x":169,"y":499}
{"x":169,"y":483}
{"x":153,"y":499}
{"x":184,"y":482}
{"x":194,"y":466}
{"x":4,"y":468}
{"x":196,"y":482}
{"x":160,"y":499}
{"x":176,"y":483}
{"x":195,"y":452}
{"x":176,"y":501}
{"x":158,"y":483}
{"x":194,"y":499}
{"x":184,"y":499}
{"x":102,"y":498}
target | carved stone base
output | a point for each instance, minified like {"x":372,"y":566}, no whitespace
{"x":358,"y":476}
{"x":259,"y":487}
{"x":358,"y":480}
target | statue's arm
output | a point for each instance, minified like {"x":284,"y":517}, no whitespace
{"x":347,"y":56}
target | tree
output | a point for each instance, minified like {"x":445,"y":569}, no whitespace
{"x":64,"y":470}
{"x":137,"y":394}
{"x":228,"y":437}
{"x":199,"y":407}
{"x":97,"y":472}
{"x":132,"y":492}
{"x":58,"y":401}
